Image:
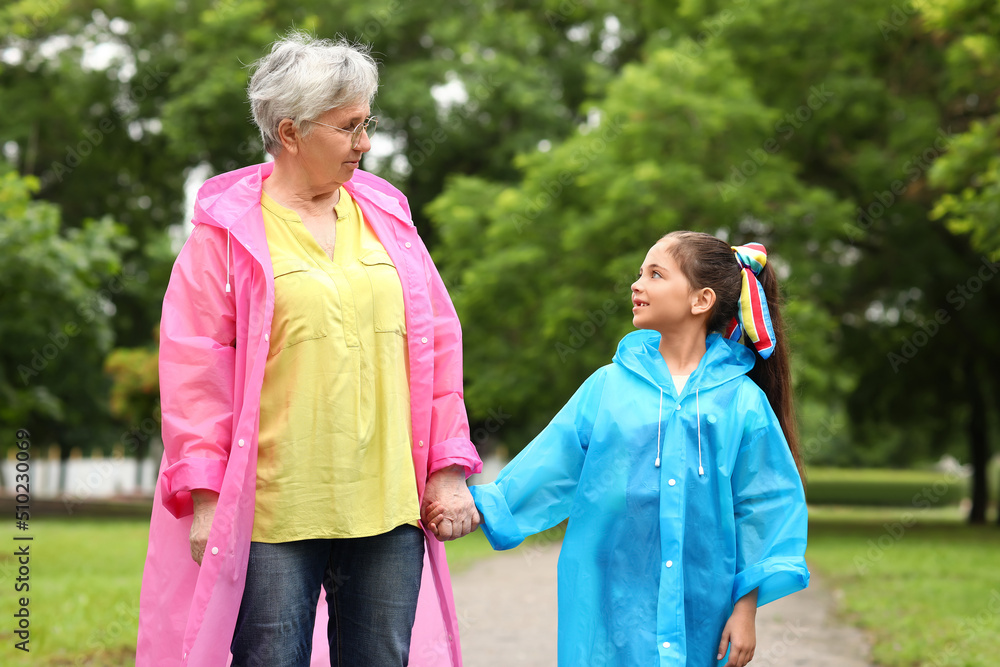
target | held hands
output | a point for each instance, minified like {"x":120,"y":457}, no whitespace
{"x":448,"y":510}
{"x":740,"y":633}
{"x":204,"y":511}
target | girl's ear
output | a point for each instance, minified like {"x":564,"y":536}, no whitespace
{"x":702,"y":301}
{"x":289,"y":135}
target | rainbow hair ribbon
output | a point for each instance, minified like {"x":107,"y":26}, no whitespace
{"x":752,"y":315}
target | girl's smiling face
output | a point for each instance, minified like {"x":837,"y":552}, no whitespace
{"x":662,"y":296}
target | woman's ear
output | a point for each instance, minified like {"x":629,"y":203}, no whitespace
{"x":702,"y":301}
{"x":289,"y":135}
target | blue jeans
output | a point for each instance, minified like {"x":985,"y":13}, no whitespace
{"x":371,"y":590}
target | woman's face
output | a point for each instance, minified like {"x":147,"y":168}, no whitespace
{"x":326,"y":152}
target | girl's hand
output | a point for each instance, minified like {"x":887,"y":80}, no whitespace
{"x":435,"y":515}
{"x":740,"y":634}
{"x":204,"y":512}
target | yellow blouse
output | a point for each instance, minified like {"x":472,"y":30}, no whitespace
{"x":334,"y":447}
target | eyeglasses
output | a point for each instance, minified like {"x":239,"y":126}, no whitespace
{"x":368,"y":125}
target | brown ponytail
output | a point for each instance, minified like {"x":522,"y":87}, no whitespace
{"x":710,"y":262}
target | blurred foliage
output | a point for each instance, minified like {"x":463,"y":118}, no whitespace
{"x":56,"y":289}
{"x":545,"y":145}
{"x":134,"y":399}
{"x":135,"y":382}
{"x":971,"y":173}
{"x":586,"y":212}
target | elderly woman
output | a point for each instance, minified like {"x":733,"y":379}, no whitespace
{"x":311,"y":388}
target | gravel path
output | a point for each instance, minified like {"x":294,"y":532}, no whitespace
{"x":507,"y":618}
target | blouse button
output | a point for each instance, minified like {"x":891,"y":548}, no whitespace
{"x":407,"y":244}
{"x":266,"y":338}
{"x":241,"y":443}
{"x":421,"y":443}
{"x":666,"y":644}
{"x":670,"y":563}
{"x":672,"y":482}
{"x":215,"y":551}
{"x":678,"y":406}
{"x":424,"y":339}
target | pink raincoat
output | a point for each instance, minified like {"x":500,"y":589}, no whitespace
{"x":213,"y":345}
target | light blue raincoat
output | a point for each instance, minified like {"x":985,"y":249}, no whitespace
{"x":654,"y":558}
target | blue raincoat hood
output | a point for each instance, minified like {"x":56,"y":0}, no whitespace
{"x":724,"y":360}
{"x":654,"y":558}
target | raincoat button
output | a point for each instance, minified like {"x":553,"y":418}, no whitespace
{"x":241,"y":443}
{"x":670,"y":563}
{"x":672,"y":482}
{"x":407,"y":244}
{"x":666,"y":644}
{"x":215,"y":551}
{"x":424,"y":339}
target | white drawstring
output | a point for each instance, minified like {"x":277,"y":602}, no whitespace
{"x":697,"y":405}
{"x":227,"y":260}
{"x":659,"y":421}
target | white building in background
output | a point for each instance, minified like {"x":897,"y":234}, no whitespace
{"x":86,"y":478}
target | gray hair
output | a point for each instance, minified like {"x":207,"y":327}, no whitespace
{"x":303,"y":77}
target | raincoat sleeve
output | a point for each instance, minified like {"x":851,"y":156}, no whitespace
{"x":770,"y":510}
{"x":535,"y":491}
{"x":197,"y":366}
{"x":450,"y":443}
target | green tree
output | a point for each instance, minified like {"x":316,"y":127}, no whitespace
{"x":903,"y":91}
{"x":56,"y":289}
{"x":549,"y":143}
{"x":121,"y":100}
{"x":544,"y":270}
{"x":856,"y":104}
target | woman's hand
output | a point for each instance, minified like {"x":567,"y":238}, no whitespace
{"x":740,"y":633}
{"x":448,"y":510}
{"x":204,"y":511}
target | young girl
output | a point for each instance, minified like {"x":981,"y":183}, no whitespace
{"x":677,"y":466}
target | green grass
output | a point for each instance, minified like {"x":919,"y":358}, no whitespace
{"x":84,"y":596}
{"x":922,"y":584}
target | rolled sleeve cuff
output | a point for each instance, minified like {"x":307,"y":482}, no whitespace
{"x":177,"y":482}
{"x":498,"y":523}
{"x":455,"y":451}
{"x":773,"y":578}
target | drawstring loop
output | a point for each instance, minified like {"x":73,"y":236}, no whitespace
{"x":659,"y":421}
{"x":697,"y":404}
{"x":228,"y":235}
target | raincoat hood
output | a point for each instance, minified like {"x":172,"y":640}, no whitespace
{"x":724,"y":360}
